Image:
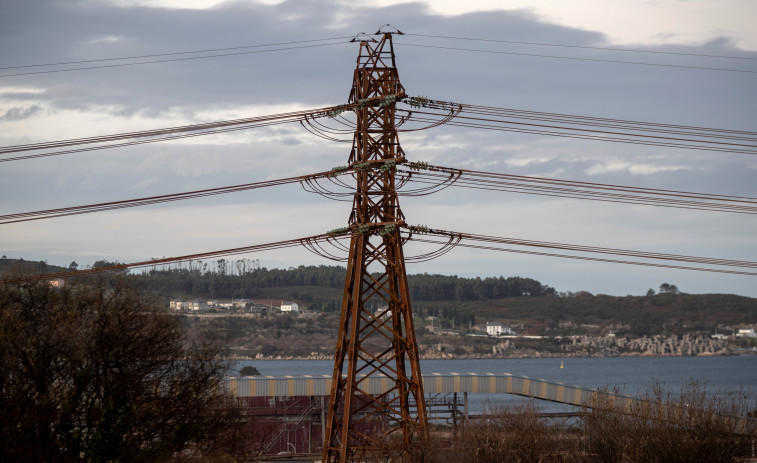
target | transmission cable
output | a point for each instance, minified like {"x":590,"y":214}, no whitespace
{"x":572,"y":58}
{"x":108,"y":206}
{"x":173,"y":53}
{"x":165,"y":260}
{"x":542,"y":44}
{"x":172,"y":60}
{"x":197,"y":129}
{"x":295,"y":115}
{"x":589,"y":249}
{"x":419,"y":234}
{"x":579,"y":190}
{"x":422,"y":110}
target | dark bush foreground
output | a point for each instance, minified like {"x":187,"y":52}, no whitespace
{"x":93,"y":372}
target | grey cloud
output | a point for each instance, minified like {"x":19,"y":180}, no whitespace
{"x":290,"y":141}
{"x":18,"y":113}
{"x":50,"y":31}
{"x":324,"y":74}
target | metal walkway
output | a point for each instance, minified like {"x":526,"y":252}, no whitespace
{"x":435,"y":383}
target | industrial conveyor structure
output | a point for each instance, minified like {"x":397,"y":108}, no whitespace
{"x":434,"y":383}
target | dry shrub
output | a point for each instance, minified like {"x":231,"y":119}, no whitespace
{"x":663,"y":427}
{"x":657,"y":427}
{"x":423,"y":449}
{"x":511,"y":434}
{"x":517,"y":434}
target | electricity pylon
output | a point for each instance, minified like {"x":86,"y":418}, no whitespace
{"x":376,"y":340}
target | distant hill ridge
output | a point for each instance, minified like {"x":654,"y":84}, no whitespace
{"x":28,"y":266}
{"x":524,"y":300}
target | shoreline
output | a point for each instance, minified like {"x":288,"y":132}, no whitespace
{"x":528,"y":355}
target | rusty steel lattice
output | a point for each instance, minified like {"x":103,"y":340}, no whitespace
{"x":376,"y":336}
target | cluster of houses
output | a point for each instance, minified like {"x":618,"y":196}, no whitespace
{"x":233,"y":305}
{"x":495,"y":329}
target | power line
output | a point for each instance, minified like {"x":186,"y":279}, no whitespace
{"x":165,"y":260}
{"x":596,"y":121}
{"x":142,"y":142}
{"x":582,"y":127}
{"x":490,"y":181}
{"x":196,"y":129}
{"x":716,"y":139}
{"x":317,"y":112}
{"x":437,"y":178}
{"x":673,"y":141}
{"x":423,"y":238}
{"x":173,"y":53}
{"x":588,"y":258}
{"x":437,"y":175}
{"x":592,"y":137}
{"x":112,"y":205}
{"x":536,"y":55}
{"x":170,"y":60}
{"x":592,"y":249}
{"x":542,"y":44}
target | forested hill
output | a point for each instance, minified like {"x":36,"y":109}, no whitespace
{"x":455,"y":299}
{"x":251,"y":283}
{"x":8,"y":266}
{"x":245,"y":279}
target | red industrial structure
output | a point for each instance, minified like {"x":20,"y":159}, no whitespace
{"x":293,"y":425}
{"x":369,"y":344}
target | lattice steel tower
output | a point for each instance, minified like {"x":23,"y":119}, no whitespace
{"x":376,"y":339}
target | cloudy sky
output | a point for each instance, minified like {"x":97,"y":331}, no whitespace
{"x":62,"y":105}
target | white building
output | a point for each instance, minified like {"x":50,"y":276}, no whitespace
{"x":497,"y":329}
{"x":290,"y":307}
{"x":746,"y":333}
{"x":195,"y":305}
{"x":383,"y":313}
{"x":176,"y":304}
{"x":180,"y":304}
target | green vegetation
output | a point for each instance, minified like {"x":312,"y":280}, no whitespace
{"x":249,"y":371}
{"x":240,"y":279}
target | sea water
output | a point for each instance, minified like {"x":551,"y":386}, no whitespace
{"x":631,"y":375}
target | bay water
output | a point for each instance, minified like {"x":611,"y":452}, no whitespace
{"x":631,"y":375}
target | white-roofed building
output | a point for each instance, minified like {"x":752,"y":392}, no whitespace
{"x":290,"y":307}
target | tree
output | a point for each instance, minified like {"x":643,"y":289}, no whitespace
{"x":668,"y":288}
{"x":95,"y":372}
{"x":103,"y":263}
{"x":249,"y":371}
{"x":73,"y":265}
{"x":650,"y":293}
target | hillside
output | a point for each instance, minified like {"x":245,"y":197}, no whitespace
{"x":528,"y":305}
{"x":27,"y":266}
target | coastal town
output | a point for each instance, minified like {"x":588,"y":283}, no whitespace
{"x":260,"y":326}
